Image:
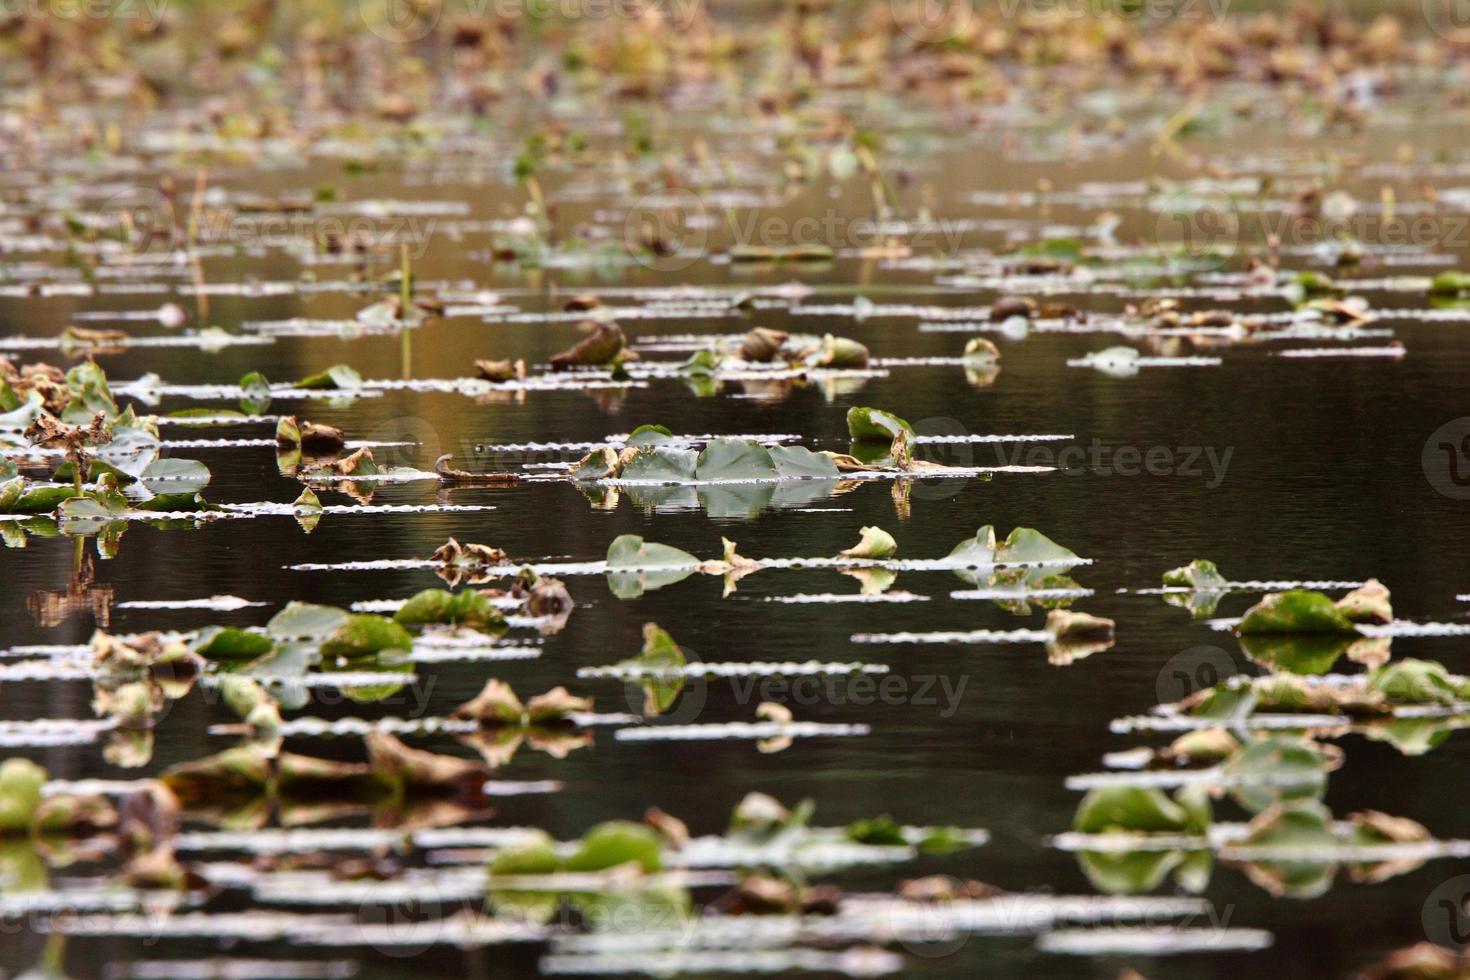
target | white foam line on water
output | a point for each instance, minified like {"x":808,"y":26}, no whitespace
{"x":1265,"y":585}
{"x":95,"y":787}
{"x":44,"y":670}
{"x":943,"y":440}
{"x":393,"y":605}
{"x":737,"y":730}
{"x":332,"y":930}
{"x":1152,"y":941}
{"x":931,"y":361}
{"x":241,"y":968}
{"x":308,"y":839}
{"x":53,"y":732}
{"x":19,"y":343}
{"x":620,"y":440}
{"x":1408,"y":628}
{"x":222,"y":418}
{"x":483,"y":654}
{"x":326,"y":728}
{"x":1143,"y":362}
{"x":948,"y":473}
{"x":166,"y":444}
{"x":603,"y":568}
{"x":1257,"y":722}
{"x":1212,"y":777}
{"x":1391,"y":352}
{"x":291,"y":510}
{"x":338,"y":680}
{"x":1348,"y":853}
{"x":1020,"y":595}
{"x":217,"y":603}
{"x":732,"y":669}
{"x":682,"y":961}
{"x":101,"y":898}
{"x":831,"y":597}
{"x":972,"y":636}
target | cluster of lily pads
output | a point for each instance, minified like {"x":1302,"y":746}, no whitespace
{"x":1267,"y":744}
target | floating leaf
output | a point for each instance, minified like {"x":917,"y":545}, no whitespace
{"x":734,"y":459}
{"x":1140,"y":810}
{"x":666,"y":463}
{"x":20,"y":795}
{"x":616,"y":843}
{"x":466,"y":607}
{"x":875,"y":543}
{"x":305,"y":621}
{"x":649,"y":435}
{"x":1198,"y":574}
{"x":874,"y":424}
{"x":231,"y":643}
{"x":1297,"y":611}
{"x":1369,"y":603}
{"x":496,"y":704}
{"x":363,"y":635}
{"x":630,"y":550}
{"x":534,"y":856}
{"x":339,"y":377}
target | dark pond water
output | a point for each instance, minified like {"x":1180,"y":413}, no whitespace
{"x":1275,"y":468}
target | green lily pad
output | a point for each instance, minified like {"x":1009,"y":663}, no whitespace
{"x":305,"y":621}
{"x":231,"y":643}
{"x":798,"y":461}
{"x":466,"y":607}
{"x":363,"y":635}
{"x":874,"y":424}
{"x":734,"y":459}
{"x":1198,"y":574}
{"x":1297,"y":611}
{"x":666,"y":463}
{"x":20,"y":794}
{"x":616,"y":843}
{"x":338,"y":377}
